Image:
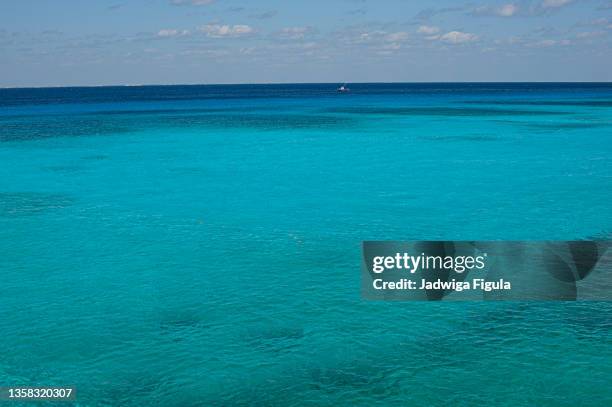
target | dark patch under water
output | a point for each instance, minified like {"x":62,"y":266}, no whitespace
{"x":556,"y":125}
{"x":580,"y":103}
{"x":58,"y":126}
{"x":30,"y":203}
{"x":95,"y":157}
{"x":197,"y":110}
{"x":440,"y":111}
{"x":179,"y":319}
{"x":258,"y":122}
{"x":276,"y":338}
{"x":63,"y":168}
{"x":567,"y":126}
{"x":460,"y":137}
{"x":77,"y":125}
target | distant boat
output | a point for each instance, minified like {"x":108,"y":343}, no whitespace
{"x":343,"y":89}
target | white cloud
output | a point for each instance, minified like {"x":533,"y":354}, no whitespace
{"x":428,"y":29}
{"x":458,"y":37}
{"x":392,"y":47}
{"x":378,"y":38}
{"x":597,"y":21}
{"x":208,"y":52}
{"x":370,"y":36}
{"x":225,"y":31}
{"x":544,"y":43}
{"x":191,"y":2}
{"x":171,"y":33}
{"x":295,"y":33}
{"x":265,"y":14}
{"x":555,"y":3}
{"x":397,"y":36}
{"x":504,"y":10}
{"x":247,"y":50}
{"x":507,"y":10}
{"x":548,"y":43}
{"x":590,"y":34}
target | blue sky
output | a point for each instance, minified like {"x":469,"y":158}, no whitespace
{"x":62,"y":42}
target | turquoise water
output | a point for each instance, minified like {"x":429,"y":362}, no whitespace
{"x":200,"y":245}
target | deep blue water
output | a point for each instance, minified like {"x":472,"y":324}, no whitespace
{"x":200,"y":245}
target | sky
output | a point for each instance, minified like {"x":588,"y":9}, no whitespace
{"x":92,"y":43}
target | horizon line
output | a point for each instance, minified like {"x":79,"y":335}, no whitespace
{"x":288,"y":83}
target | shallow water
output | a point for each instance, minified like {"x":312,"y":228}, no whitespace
{"x":201,"y":245}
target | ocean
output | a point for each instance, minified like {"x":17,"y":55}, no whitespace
{"x":200,"y":245}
